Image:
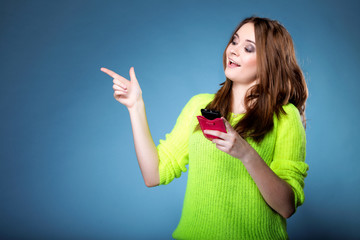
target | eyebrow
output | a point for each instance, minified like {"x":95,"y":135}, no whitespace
{"x":248,"y":40}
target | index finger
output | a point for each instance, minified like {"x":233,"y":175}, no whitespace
{"x":215,"y":133}
{"x":111,"y":73}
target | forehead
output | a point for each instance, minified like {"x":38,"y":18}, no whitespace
{"x":247,"y":31}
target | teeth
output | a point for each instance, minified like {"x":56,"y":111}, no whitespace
{"x":233,"y":62}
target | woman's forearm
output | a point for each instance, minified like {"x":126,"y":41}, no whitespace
{"x":145,"y":147}
{"x":276,"y":192}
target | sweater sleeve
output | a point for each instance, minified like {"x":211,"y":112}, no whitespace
{"x":290,"y":151}
{"x":173,"y":152}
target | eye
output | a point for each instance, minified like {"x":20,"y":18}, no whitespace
{"x":232,"y":41}
{"x":250,"y":49}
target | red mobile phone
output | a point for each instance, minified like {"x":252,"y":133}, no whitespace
{"x":211,"y":120}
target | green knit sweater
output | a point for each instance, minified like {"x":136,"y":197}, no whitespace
{"x":222,"y":201}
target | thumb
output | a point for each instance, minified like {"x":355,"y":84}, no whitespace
{"x":227,"y":124}
{"x":132,"y":75}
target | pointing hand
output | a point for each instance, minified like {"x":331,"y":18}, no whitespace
{"x":126,"y":92}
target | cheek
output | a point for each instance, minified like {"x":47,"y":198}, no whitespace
{"x":251,"y":66}
{"x":251,"y":61}
{"x":227,"y":52}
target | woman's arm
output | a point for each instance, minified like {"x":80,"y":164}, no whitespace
{"x":129,"y":94}
{"x":276,"y":192}
{"x":145,"y":148}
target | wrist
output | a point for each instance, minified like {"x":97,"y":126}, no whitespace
{"x":249,"y":155}
{"x":138,"y":105}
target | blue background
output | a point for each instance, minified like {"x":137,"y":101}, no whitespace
{"x":68,"y":167}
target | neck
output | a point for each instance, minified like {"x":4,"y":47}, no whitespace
{"x":238,"y":92}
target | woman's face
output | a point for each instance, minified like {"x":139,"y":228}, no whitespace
{"x":242,"y":51}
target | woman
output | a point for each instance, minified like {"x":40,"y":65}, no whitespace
{"x":248,"y":181}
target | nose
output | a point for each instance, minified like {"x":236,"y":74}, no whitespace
{"x":233,"y":52}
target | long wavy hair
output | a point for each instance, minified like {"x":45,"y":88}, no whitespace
{"x":281,"y":81}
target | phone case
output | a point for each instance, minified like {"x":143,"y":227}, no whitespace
{"x":215,"y":124}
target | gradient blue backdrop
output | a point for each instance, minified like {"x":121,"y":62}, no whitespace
{"x":68,"y":167}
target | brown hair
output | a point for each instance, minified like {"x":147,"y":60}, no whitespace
{"x":281,"y":81}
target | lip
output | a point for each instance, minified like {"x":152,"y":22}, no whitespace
{"x":234,"y":62}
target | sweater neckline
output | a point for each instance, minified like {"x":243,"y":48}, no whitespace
{"x":233,"y":115}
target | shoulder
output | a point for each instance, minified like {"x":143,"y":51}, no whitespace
{"x":291,"y":109}
{"x":200,"y":100}
{"x":196,"y":102}
{"x":291,"y":113}
{"x":203,"y":97}
{"x":291,"y":119}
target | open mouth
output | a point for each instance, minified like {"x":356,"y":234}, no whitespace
{"x":233,"y":64}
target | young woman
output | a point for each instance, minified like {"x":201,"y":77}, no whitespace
{"x":248,"y":181}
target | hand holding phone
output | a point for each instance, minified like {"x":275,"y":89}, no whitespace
{"x":211,"y":120}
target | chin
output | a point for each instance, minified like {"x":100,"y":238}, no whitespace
{"x":242,"y":81}
{"x":229,"y":76}
{"x":236,"y":79}
{"x":233,"y":77}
